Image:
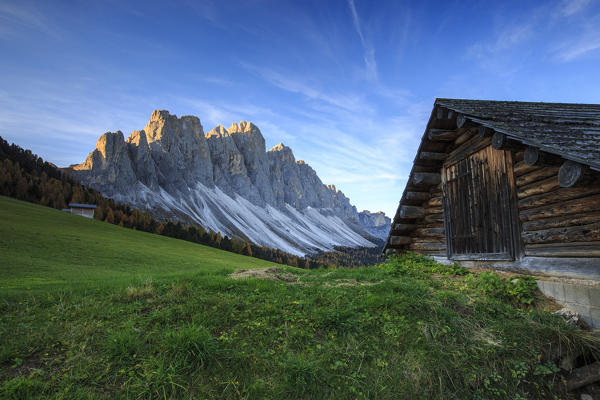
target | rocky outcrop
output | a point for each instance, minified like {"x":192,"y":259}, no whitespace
{"x":225,"y":180}
{"x":377,"y":224}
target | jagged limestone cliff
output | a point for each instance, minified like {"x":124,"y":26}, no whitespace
{"x":224,"y":180}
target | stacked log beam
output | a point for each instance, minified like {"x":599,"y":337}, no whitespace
{"x":556,"y":221}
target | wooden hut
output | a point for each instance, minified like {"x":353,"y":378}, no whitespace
{"x":84,"y":210}
{"x":513,"y":184}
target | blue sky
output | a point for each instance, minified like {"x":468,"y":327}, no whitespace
{"x":347,"y":84}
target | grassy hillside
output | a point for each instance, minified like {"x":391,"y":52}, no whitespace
{"x":115,"y":314}
{"x":43,"y":247}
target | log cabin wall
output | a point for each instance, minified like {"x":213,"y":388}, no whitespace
{"x":557,"y":221}
{"x":428,"y":236}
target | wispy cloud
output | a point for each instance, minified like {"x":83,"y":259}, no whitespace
{"x":586,"y":41}
{"x":368,"y":49}
{"x":348,"y":102}
{"x":14,"y":18}
{"x":579,"y":36}
{"x":571,"y":7}
{"x":506,"y":39}
{"x":572,"y":50}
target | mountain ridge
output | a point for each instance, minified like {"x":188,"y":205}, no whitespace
{"x":225,"y":180}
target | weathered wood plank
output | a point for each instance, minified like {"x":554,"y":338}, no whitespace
{"x":430,"y":156}
{"x":463,"y":136}
{"x":573,"y":249}
{"x":427,"y":246}
{"x":471,"y":146}
{"x":429,"y":232}
{"x":571,"y":174}
{"x":417,"y":240}
{"x":558,"y":222}
{"x":536,"y":175}
{"x":441,"y":135}
{"x":539,"y":187}
{"x":576,"y":206}
{"x":441,"y":113}
{"x":433,"y":210}
{"x":559,"y":195}
{"x":532,"y":156}
{"x":412,"y":212}
{"x":434,"y":202}
{"x":416,"y":197}
{"x":433,"y":218}
{"x":501,"y":142}
{"x":462,"y":121}
{"x":518,"y":156}
{"x":399,"y":228}
{"x":578,"y":233}
{"x":432,"y":225}
{"x":423,"y":179}
{"x":522,"y":168}
{"x":399,"y":240}
{"x":484,"y":131}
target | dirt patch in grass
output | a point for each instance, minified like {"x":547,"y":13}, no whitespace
{"x":348,"y":282}
{"x":272,"y":273}
{"x":276,"y":274}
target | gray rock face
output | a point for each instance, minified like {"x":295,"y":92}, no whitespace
{"x":225,"y":180}
{"x":377,"y":224}
{"x":108,"y":168}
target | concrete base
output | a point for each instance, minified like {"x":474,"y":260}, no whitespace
{"x":581,"y":298}
{"x":567,"y":267}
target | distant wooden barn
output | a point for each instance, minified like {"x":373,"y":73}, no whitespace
{"x":514,"y":184}
{"x":84,"y":210}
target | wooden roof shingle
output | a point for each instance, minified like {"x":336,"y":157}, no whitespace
{"x":571,"y":131}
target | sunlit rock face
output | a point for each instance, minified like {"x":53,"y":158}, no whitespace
{"x":226,"y":180}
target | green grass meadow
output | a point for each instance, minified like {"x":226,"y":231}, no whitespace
{"x":94,"y":311}
{"x":43,"y":248}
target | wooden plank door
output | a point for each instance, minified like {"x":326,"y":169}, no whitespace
{"x":479,"y":207}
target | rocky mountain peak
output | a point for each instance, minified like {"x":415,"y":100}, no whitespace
{"x":110,"y":142}
{"x":160,"y":115}
{"x":138,"y":138}
{"x":282,"y":153}
{"x":224,"y":180}
{"x":243,"y":127}
{"x":219,"y":131}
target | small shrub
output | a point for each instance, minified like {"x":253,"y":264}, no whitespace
{"x":419,"y":265}
{"x":521,"y":290}
{"x":192,"y":346}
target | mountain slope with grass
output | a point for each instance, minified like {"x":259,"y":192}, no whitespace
{"x":41,"y":246}
{"x":91,"y":310}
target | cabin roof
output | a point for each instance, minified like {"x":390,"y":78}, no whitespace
{"x":79,"y":205}
{"x":569,"y":130}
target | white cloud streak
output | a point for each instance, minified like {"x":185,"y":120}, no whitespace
{"x":369,"y":50}
{"x":15,"y":18}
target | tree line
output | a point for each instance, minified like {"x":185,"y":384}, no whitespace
{"x":25,"y":176}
